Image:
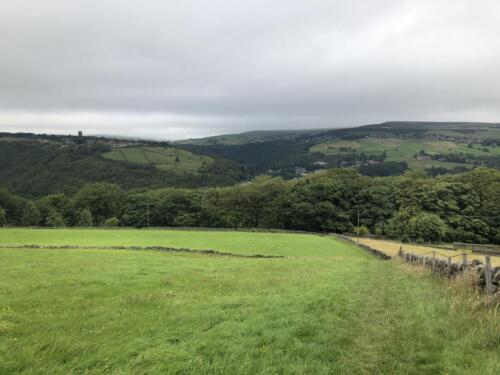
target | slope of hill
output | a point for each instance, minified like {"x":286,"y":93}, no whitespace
{"x":438,"y":147}
{"x":164,"y":158}
{"x":253,"y":137}
{"x":39,"y":165}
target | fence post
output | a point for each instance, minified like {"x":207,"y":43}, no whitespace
{"x":464,"y":262}
{"x":423,"y":260}
{"x":487,"y":274}
{"x":433,"y":261}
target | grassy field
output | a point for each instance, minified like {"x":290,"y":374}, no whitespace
{"x":166,"y":158}
{"x":248,"y":243}
{"x":327,"y":308}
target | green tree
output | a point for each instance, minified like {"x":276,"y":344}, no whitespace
{"x":58,"y":202}
{"x":103,"y":200}
{"x":85,"y":218}
{"x":31,"y":215}
{"x":176,"y":207}
{"x":13,"y":206}
{"x":137,"y":208}
{"x":3,"y":219}
{"x":55,"y":219}
{"x":427,"y":227}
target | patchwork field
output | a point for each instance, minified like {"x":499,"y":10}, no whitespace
{"x":328,"y":307}
{"x":404,"y":150}
{"x":164,"y":158}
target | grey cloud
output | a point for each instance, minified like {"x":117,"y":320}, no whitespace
{"x":193,"y":68}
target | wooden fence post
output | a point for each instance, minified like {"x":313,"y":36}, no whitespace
{"x":464,"y":262}
{"x":433,"y":261}
{"x":487,"y":274}
{"x":423,"y":260}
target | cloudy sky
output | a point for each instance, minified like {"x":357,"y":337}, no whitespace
{"x":177,"y":69}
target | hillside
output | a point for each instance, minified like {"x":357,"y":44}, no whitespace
{"x":55,"y":164}
{"x":34,"y":165}
{"x":253,"y":137}
{"x":163,"y":158}
{"x":379,"y":149}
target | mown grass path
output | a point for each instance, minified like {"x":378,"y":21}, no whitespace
{"x":338,"y":311}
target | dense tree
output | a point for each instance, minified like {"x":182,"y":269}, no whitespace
{"x":176,"y":207}
{"x":3,"y":218}
{"x":428,"y":227}
{"x":388,"y":168}
{"x":31,"y":215}
{"x":463,"y":207}
{"x":54,"y":219}
{"x":50,"y":204}
{"x":102,"y":199}
{"x":13,"y":206}
{"x":137,"y":210}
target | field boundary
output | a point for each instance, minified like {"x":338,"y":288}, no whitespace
{"x":488,"y":277}
{"x":143,"y":248}
{"x":378,"y":253}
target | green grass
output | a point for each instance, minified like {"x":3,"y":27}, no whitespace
{"x":165,"y":158}
{"x":329,"y":308}
{"x":288,"y":244}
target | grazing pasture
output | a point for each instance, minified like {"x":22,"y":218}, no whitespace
{"x":238,"y":242}
{"x":327,"y":307}
{"x":164,"y":158}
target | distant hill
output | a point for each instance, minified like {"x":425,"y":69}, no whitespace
{"x":257,"y":136}
{"x":437,"y":147}
{"x":36,"y":165}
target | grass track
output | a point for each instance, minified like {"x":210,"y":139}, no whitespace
{"x":66,"y":311}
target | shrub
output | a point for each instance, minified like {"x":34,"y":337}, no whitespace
{"x":362,"y":230}
{"x":112,"y":222}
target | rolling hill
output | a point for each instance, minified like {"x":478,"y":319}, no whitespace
{"x":54,"y":164}
{"x":379,"y":149}
{"x":34,"y":165}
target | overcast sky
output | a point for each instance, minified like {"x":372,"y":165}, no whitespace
{"x":175,"y":69}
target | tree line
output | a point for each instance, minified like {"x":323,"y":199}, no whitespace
{"x":414,"y":206}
